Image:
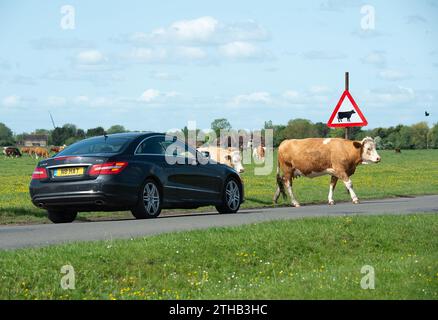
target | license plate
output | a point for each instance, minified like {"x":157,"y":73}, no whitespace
{"x":66,"y":172}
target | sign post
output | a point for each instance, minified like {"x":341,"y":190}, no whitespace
{"x":347,"y":113}
{"x":347,"y":83}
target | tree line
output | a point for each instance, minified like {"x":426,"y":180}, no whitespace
{"x":416,"y":136}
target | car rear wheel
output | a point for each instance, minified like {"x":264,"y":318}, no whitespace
{"x":149,"y":205}
{"x":231,"y":197}
{"x":61,"y":216}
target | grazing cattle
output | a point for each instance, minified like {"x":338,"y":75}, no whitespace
{"x":397,"y":150}
{"x":11,"y":152}
{"x":40,"y":152}
{"x":318,"y":156}
{"x":229,"y":156}
{"x":27,"y":150}
{"x":345,"y":114}
{"x":57,"y":149}
{"x":259,"y":153}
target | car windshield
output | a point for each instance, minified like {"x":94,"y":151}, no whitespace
{"x":96,"y":145}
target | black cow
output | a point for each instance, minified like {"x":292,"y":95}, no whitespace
{"x":345,"y":114}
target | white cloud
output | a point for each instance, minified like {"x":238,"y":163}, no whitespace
{"x":90,"y":57}
{"x":397,"y":95}
{"x":159,"y":75}
{"x":191,"y":53}
{"x":254,"y":97}
{"x":392,"y":75}
{"x":317,"y":89}
{"x":82,"y":99}
{"x":56,"y":101}
{"x":376,"y":58}
{"x":148,"y":55}
{"x":239,"y":49}
{"x":11,"y":101}
{"x":204,"y":30}
{"x":314,"y":96}
{"x":149,"y":95}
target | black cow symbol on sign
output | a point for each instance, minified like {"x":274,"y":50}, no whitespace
{"x":345,"y":114}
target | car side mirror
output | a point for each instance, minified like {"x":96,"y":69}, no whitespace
{"x":206,"y":154}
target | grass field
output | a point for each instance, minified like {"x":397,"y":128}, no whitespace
{"x":314,"y":258}
{"x":412,"y":172}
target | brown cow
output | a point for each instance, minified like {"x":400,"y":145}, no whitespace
{"x":259,"y":153}
{"x":228,"y":156}
{"x":40,"y":152}
{"x":318,"y":156}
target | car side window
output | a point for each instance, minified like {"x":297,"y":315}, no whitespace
{"x":183,"y":151}
{"x":153,"y":145}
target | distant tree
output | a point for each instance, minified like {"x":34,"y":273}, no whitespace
{"x":116,"y":129}
{"x":405,"y":138}
{"x":220,"y":124}
{"x":322,"y":129}
{"x":98,"y":131}
{"x":379,"y":142}
{"x":337,"y":133}
{"x":80,"y":134}
{"x":299,"y":129}
{"x":6,"y":136}
{"x":60,"y":135}
{"x":419,"y":132}
{"x":433,"y":136}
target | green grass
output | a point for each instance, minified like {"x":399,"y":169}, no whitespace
{"x":314,"y":258}
{"x":409,"y":173}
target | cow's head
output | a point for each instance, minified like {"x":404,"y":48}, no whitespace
{"x":369,"y":152}
{"x":235,"y":160}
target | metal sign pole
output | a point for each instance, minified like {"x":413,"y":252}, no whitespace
{"x":347,"y":84}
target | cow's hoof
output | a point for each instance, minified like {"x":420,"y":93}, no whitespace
{"x":296,"y":205}
{"x":331,"y":203}
{"x":356,"y":201}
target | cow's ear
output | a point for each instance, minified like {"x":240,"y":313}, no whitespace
{"x":357,"y":144}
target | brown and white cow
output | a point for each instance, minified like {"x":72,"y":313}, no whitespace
{"x":228,"y":156}
{"x":11,"y":152}
{"x":259,"y":153}
{"x":318,"y":156}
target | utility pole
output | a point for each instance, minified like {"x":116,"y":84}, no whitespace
{"x":347,"y":84}
{"x":53,"y":122}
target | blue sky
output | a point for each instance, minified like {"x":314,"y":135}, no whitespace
{"x":154,"y":65}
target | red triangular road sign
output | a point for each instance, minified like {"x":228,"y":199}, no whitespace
{"x":347,"y":114}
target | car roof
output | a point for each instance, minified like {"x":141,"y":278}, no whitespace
{"x":132,"y":135}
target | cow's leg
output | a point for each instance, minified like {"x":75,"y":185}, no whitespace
{"x":277,"y":195}
{"x":333,"y":182}
{"x":288,"y":185}
{"x":349,"y":185}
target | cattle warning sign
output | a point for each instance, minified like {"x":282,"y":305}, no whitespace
{"x":347,"y":113}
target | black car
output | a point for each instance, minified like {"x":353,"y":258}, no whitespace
{"x":140,"y":172}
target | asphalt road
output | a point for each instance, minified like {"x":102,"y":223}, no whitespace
{"x":12,"y":237}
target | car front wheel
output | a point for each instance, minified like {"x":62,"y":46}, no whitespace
{"x":149,"y":205}
{"x":61,"y":216}
{"x":231,"y":197}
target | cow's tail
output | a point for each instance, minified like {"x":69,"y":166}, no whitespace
{"x":280,"y":183}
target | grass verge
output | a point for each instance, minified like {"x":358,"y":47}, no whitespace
{"x":312,"y":258}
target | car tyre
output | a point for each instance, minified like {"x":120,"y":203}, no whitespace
{"x":149,"y":205}
{"x":61,"y":216}
{"x":231,"y":197}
